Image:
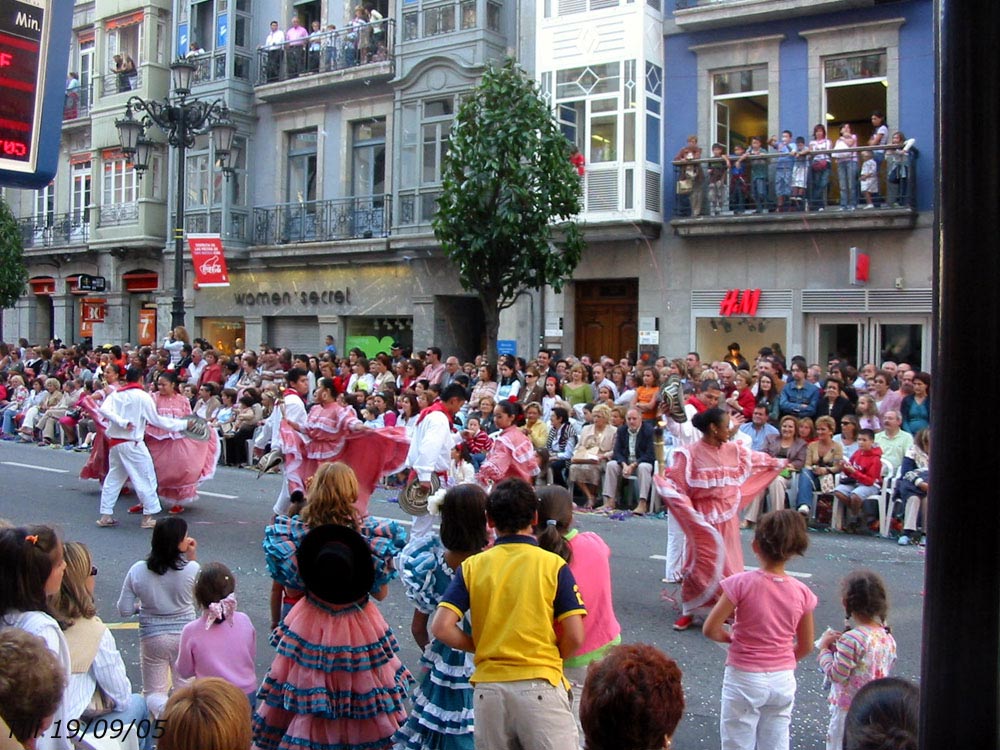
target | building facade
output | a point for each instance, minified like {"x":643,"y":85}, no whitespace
{"x":341,"y":134}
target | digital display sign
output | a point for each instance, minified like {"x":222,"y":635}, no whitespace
{"x":34,"y":55}
{"x":22,"y":24}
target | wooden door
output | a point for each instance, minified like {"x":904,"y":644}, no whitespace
{"x":607,"y":317}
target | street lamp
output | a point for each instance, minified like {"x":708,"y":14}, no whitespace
{"x":181,"y":119}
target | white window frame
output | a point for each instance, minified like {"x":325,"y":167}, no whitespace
{"x":120,"y":183}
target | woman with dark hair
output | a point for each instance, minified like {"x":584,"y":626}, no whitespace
{"x":884,"y":714}
{"x":485,"y":386}
{"x":706,"y":487}
{"x":833,"y":403}
{"x":408,"y":410}
{"x":633,"y":700}
{"x":512,"y":454}
{"x":916,"y":408}
{"x":819,"y":168}
{"x":533,"y":389}
{"x":160,"y":590}
{"x":561,"y":443}
{"x":442,"y":702}
{"x":333,"y":432}
{"x":182,"y":463}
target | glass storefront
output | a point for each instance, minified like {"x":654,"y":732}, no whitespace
{"x":377,"y":334}
{"x":223,"y":332}
{"x":714,"y":335}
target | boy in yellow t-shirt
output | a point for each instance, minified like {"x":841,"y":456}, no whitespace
{"x":513,"y":593}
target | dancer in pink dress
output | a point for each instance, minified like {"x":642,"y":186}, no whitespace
{"x":97,"y":463}
{"x":707,"y":486}
{"x":512,"y":454}
{"x":181,"y":462}
{"x":333,"y":432}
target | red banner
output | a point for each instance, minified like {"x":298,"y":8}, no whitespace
{"x":92,"y":310}
{"x":209,"y":260}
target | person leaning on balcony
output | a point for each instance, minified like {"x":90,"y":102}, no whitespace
{"x":72,"y":105}
{"x":295,"y":36}
{"x":273,"y":44}
{"x":377,"y":43}
{"x":689,"y":179}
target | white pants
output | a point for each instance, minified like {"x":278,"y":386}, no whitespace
{"x":915,"y":506}
{"x":835,"y":733}
{"x":130,"y":461}
{"x":676,"y":547}
{"x":756,"y":709}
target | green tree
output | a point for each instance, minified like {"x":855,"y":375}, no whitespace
{"x":13,"y":274}
{"x":508,"y":192}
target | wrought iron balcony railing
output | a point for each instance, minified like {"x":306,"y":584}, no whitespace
{"x":52,"y":230}
{"x":322,"y":221}
{"x":326,"y":51}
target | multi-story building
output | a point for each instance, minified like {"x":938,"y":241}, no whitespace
{"x":326,"y":218}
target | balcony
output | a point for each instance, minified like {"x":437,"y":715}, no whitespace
{"x":55,"y":231}
{"x":214,"y":66}
{"x":118,"y":214}
{"x":334,"y":220}
{"x":696,"y":15}
{"x":112,"y":84}
{"x":711,"y":199}
{"x":77,"y":104}
{"x":200,"y":221}
{"x":326,"y":59}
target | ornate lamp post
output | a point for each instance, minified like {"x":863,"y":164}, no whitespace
{"x":181,"y":119}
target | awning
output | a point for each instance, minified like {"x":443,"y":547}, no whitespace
{"x":141,"y":281}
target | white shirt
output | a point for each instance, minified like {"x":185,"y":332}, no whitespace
{"x":430,"y":448}
{"x":294,"y":410}
{"x":108,"y":671}
{"x":195,"y":371}
{"x":134,"y":406}
{"x":174,"y":347}
{"x":275,"y":39}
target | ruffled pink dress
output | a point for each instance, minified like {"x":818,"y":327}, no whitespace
{"x":97,"y":463}
{"x":330,"y":434}
{"x":512,"y":455}
{"x":181,"y":463}
{"x":705,"y":489}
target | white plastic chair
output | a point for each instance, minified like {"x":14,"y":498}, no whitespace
{"x":837,"y":515}
{"x":885,"y":499}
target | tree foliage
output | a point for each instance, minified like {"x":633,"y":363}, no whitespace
{"x":13,"y":274}
{"x":508,"y":192}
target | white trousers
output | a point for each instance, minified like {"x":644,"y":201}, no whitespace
{"x":130,"y":461}
{"x":835,"y":733}
{"x":756,"y":709}
{"x":676,"y":548}
{"x":284,"y":501}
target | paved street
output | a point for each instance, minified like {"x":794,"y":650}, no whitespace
{"x":42,"y":485}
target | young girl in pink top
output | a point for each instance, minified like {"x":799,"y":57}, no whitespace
{"x":222,"y":642}
{"x":589,"y":560}
{"x":860,"y":654}
{"x":772,"y":630}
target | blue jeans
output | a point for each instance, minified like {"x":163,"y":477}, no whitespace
{"x":760,"y":193}
{"x":8,"y":421}
{"x":807,"y":484}
{"x":847,"y":171}
{"x":819,"y":184}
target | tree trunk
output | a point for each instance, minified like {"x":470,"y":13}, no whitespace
{"x":491,"y":321}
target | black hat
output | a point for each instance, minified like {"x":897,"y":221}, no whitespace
{"x":396,"y":345}
{"x":335,"y":563}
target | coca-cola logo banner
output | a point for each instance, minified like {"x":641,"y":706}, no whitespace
{"x":209,"y":260}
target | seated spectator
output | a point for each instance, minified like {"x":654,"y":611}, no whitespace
{"x":31,"y":685}
{"x":868,"y":416}
{"x":633,"y":456}
{"x":913,"y":485}
{"x":594,"y":449}
{"x":632,"y":700}
{"x":208,"y":714}
{"x":486,"y":405}
{"x":758,"y":428}
{"x":806,"y":429}
{"x":477,"y":441}
{"x":534,"y":427}
{"x":243,"y":426}
{"x":833,"y":402}
{"x":884,"y":713}
{"x":860,"y":482}
{"x":98,"y":683}
{"x":742,"y":400}
{"x":561,"y":444}
{"x":208,"y":402}
{"x":848,"y":437}
{"x":916,"y":408}
{"x":824,"y":458}
{"x":786,"y":444}
{"x":893,"y":441}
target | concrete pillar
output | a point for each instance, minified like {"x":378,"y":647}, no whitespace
{"x":423,"y":322}
{"x":64,"y":318}
{"x":253,"y":332}
{"x":330,"y":325}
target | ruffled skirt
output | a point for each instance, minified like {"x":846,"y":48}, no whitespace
{"x":335,"y":683}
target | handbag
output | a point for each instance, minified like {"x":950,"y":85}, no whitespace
{"x":820,"y":165}
{"x":826,"y":483}
{"x":685,"y":186}
{"x":100,"y":704}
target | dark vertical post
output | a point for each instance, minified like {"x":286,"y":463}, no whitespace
{"x":177,"y":308}
{"x":961,"y":639}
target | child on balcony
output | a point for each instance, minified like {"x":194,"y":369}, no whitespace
{"x":783,"y":168}
{"x":758,"y":173}
{"x":739,"y":188}
{"x":869,"y":178}
{"x":718,"y":184}
{"x":800,"y":175}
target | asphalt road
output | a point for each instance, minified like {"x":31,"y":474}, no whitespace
{"x":41,"y":485}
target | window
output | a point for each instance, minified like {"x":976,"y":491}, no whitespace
{"x":436,"y":127}
{"x":589,"y":101}
{"x":854,"y":86}
{"x":79,"y":197}
{"x":440,"y":19}
{"x":124,"y":36}
{"x":493,"y":17}
{"x":739,"y":105}
{"x":86,"y":70}
{"x":45,"y":205}
{"x":468,"y":13}
{"x":120,"y":183}
{"x":196,"y":181}
{"x":654,"y":104}
{"x":302,"y":161}
{"x":368,"y":159}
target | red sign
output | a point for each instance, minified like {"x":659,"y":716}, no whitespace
{"x":740,"y":302}
{"x":209,"y":260}
{"x":92,"y":310}
{"x":147,"y":326}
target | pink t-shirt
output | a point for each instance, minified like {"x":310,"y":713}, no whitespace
{"x":225,"y":650}
{"x":768,"y":611}
{"x":591,"y":567}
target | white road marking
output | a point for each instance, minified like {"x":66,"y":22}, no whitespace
{"x":217,"y":494}
{"x":792,"y":573}
{"x":32,"y":466}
